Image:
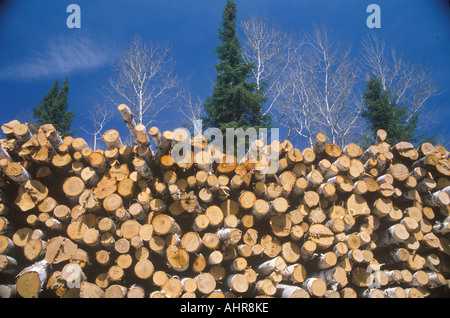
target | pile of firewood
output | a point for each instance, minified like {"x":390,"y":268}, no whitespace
{"x":130,"y":221}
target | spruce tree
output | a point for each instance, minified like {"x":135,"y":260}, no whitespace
{"x":382,"y":112}
{"x":53,"y":109}
{"x":235,"y":101}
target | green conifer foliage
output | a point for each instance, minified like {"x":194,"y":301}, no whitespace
{"x":235,"y":101}
{"x":382,"y":112}
{"x":53,"y":109}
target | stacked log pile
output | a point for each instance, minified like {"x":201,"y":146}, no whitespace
{"x":130,"y":221}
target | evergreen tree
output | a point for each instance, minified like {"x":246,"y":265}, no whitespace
{"x":53,"y":109}
{"x":235,"y":101}
{"x":382,"y":112}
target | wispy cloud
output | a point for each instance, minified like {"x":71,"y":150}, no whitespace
{"x":59,"y":57}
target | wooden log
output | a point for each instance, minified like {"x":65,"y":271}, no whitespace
{"x":52,"y":135}
{"x":178,"y":258}
{"x":229,"y":236}
{"x":265,"y":287}
{"x":73,"y":187}
{"x":238,"y":283}
{"x":247,"y":200}
{"x":315,"y":286}
{"x":90,"y":290}
{"x":62,"y":162}
{"x":437,"y":199}
{"x":395,"y":234}
{"x":112,"y":139}
{"x":7,"y":246}
{"x":189,"y":202}
{"x":205,"y":283}
{"x":280,"y":225}
{"x":98,"y":161}
{"x":8,"y":128}
{"x":199,"y":263}
{"x":275,"y":264}
{"x":17,"y":173}
{"x":227,"y":164}
{"x":172,"y":288}
{"x":30,"y":194}
{"x":22,"y":133}
{"x":31,"y":280}
{"x":155,"y":134}
{"x":135,"y":291}
{"x":191,"y":242}
{"x":319,"y":143}
{"x":144,"y":269}
{"x":78,"y":144}
{"x":333,"y":276}
{"x":320,"y":235}
{"x":8,"y":265}
{"x":164,"y":224}
{"x":309,"y":155}
{"x":8,"y":291}
{"x":116,"y":291}
{"x":357,"y":205}
{"x":127,"y":116}
{"x":166,"y":142}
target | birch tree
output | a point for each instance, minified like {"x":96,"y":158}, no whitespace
{"x":323,"y":96}
{"x":192,"y":111}
{"x":272,"y":51}
{"x":99,"y":116}
{"x":410,"y":84}
{"x":145,"y":81}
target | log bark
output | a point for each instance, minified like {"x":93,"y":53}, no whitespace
{"x":31,"y":280}
{"x":319,"y":225}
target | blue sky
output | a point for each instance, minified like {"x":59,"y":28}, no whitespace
{"x":36,"y":47}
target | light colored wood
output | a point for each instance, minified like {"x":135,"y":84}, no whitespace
{"x":8,"y":265}
{"x":8,"y":128}
{"x":265,"y":287}
{"x":280,"y":225}
{"x":130,"y":228}
{"x":205,"y":283}
{"x":16,"y":172}
{"x":22,"y":132}
{"x":199,"y":263}
{"x":178,"y":258}
{"x":30,"y":281}
{"x":164,"y":224}
{"x":229,"y":235}
{"x":319,"y":143}
{"x":315,"y":286}
{"x":215,"y":215}
{"x":247,"y":199}
{"x":319,"y":225}
{"x":320,"y":235}
{"x":144,"y":269}
{"x":191,"y":242}
{"x":62,"y":162}
{"x":238,"y":283}
{"x":122,"y":246}
{"x":90,"y":290}
{"x":172,"y":288}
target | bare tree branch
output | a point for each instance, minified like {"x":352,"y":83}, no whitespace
{"x":144,"y":80}
{"x":272,"y":51}
{"x":322,"y":96}
{"x":411,"y":85}
{"x":98,"y":116}
{"x":192,"y":110}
